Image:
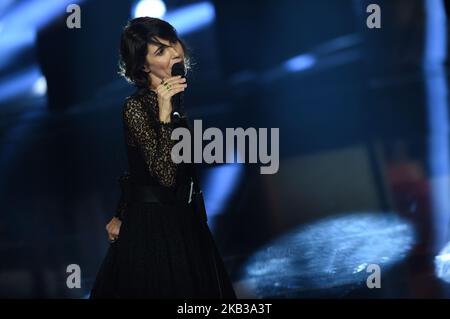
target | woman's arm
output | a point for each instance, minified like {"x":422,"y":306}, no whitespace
{"x":113,"y":227}
{"x":152,"y":139}
{"x":124,"y":182}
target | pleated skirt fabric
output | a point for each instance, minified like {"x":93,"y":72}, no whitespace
{"x":163,"y":251}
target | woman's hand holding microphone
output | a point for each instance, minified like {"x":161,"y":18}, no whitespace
{"x":168,"y":88}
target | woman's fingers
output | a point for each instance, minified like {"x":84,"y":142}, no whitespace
{"x":174,"y":80}
{"x":176,"y":88}
{"x":168,"y":88}
{"x":173,"y":90}
{"x":112,"y":236}
{"x":113,"y":229}
{"x":170,"y":83}
{"x":166,"y":93}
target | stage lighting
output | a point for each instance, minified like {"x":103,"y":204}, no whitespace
{"x":442,"y":264}
{"x":329,"y":253}
{"x":192,"y":17}
{"x":149,"y":8}
{"x":300,"y":63}
{"x":40,"y":86}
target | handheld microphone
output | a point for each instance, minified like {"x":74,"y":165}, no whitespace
{"x":177,"y":99}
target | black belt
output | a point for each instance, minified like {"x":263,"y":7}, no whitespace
{"x":144,"y":194}
{"x":154,"y":194}
{"x":149,"y":194}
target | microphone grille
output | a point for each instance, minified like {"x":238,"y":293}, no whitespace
{"x":178,"y":69}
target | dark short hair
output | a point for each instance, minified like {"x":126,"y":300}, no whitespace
{"x":133,"y":47}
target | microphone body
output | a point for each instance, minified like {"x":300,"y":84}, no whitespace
{"x":177,"y":99}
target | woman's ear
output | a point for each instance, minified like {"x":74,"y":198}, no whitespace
{"x":146,"y":69}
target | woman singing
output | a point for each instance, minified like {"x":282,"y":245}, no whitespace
{"x":161,"y":247}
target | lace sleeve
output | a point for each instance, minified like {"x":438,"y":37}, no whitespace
{"x":122,"y":205}
{"x":152,"y":139}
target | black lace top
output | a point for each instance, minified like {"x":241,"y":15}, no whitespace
{"x":149,"y":146}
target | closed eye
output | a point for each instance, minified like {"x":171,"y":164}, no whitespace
{"x":160,"y":51}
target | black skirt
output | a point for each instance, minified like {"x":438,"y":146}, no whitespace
{"x":163,"y":251}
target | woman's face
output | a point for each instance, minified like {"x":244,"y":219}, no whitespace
{"x":160,"y":59}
